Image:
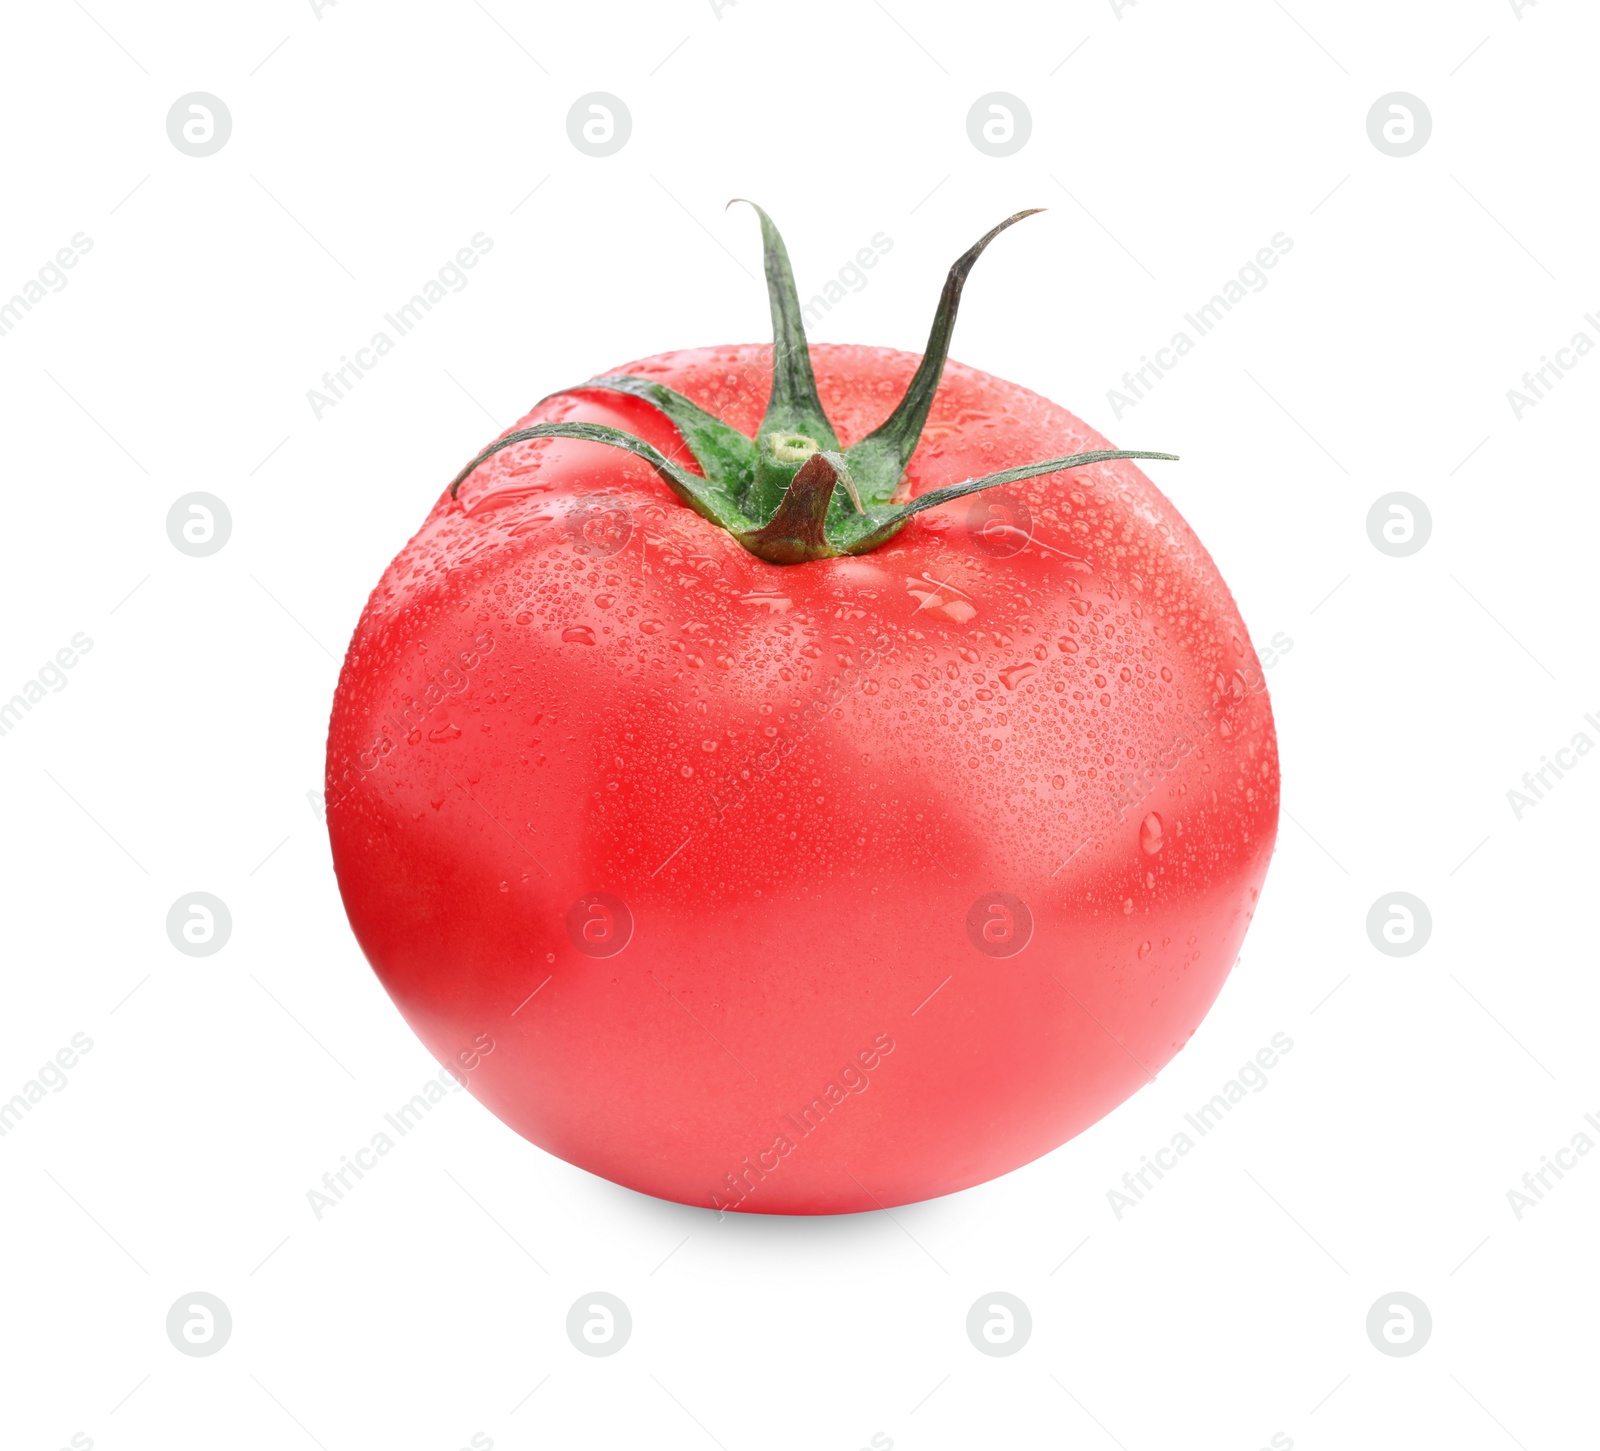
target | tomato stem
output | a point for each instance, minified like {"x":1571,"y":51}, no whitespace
{"x":797,"y":531}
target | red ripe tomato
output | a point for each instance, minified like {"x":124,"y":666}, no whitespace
{"x":801,"y":887}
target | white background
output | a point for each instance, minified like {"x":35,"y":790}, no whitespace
{"x":368,"y":145}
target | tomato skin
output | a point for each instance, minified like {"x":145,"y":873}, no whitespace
{"x":805,"y":786}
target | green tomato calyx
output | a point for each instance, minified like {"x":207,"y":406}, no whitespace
{"x":790,"y":495}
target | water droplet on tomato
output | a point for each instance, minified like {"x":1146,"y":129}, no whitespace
{"x":1013,"y":676}
{"x":774,"y":604}
{"x":577,"y":635}
{"x":1150,"y":830}
{"x":1144,"y":949}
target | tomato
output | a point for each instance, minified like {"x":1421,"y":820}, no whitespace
{"x":811,"y":866}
